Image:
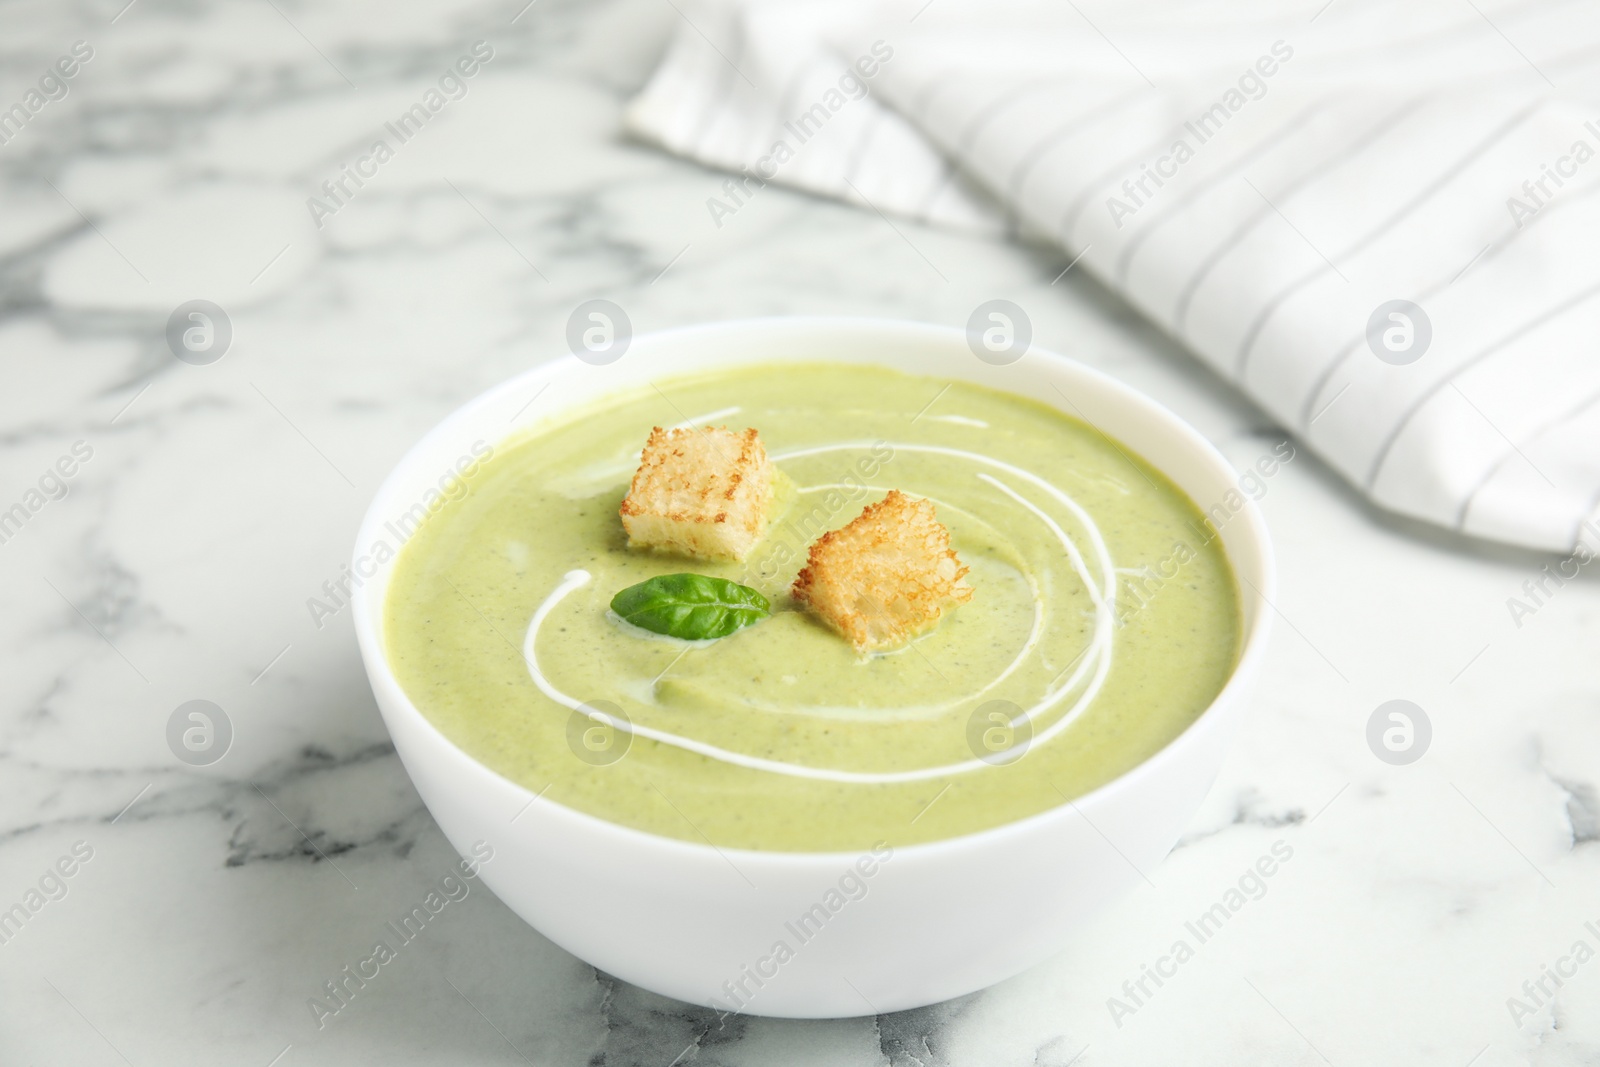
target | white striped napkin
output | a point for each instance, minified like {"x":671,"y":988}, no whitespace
{"x":1378,"y":220}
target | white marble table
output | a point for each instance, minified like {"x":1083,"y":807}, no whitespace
{"x":218,"y":499}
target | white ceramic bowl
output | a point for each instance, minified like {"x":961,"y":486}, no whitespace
{"x":937,"y":920}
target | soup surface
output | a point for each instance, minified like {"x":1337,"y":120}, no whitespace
{"x":1104,"y":619}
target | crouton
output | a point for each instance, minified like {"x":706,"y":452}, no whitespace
{"x":702,"y":493}
{"x":887,"y":576}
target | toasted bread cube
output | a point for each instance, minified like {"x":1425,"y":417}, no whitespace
{"x":886,"y":577}
{"x":700,"y":492}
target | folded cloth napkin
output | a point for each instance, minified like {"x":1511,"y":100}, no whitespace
{"x":1378,"y":220}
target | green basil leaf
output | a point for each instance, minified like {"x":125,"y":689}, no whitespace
{"x":691,"y":606}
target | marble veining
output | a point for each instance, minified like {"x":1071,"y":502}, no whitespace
{"x":178,"y":563}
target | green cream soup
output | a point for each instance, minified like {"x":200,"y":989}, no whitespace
{"x":1104,"y":620}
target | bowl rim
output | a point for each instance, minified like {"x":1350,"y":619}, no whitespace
{"x":1259,"y":587}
